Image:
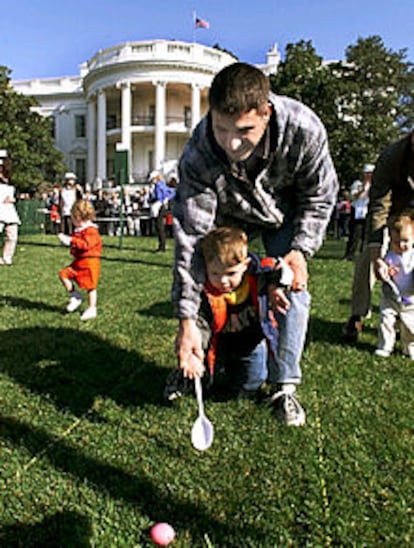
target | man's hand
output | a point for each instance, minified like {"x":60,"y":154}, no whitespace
{"x":278,"y":299}
{"x":189,"y":350}
{"x":297,"y":262}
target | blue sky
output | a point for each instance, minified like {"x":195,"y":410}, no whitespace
{"x":47,"y":38}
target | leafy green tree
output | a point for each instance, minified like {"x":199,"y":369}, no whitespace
{"x":365,"y":102}
{"x":28,"y":139}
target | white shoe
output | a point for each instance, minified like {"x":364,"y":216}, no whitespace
{"x":6,"y":261}
{"x":74,"y":302}
{"x":89,"y":314}
{"x":380,"y":352}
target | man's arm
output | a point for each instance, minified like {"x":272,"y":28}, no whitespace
{"x":316,"y":191}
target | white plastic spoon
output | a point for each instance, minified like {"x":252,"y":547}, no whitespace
{"x":202,"y":432}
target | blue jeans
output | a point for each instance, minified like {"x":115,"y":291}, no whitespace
{"x":246,"y":371}
{"x":293,"y":325}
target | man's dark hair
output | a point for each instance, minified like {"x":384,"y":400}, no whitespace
{"x":239,"y":88}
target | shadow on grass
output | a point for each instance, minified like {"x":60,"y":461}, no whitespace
{"x":74,"y":367}
{"x":158,"y":310}
{"x":25,"y":304}
{"x":136,"y":488}
{"x":136,"y":261}
{"x":23,"y":243}
{"x":321,"y":330}
{"x":64,"y":528}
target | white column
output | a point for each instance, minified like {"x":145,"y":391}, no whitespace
{"x":126,"y":114}
{"x":126,"y":122}
{"x":101,"y":145}
{"x":195,"y":105}
{"x":91,"y":134}
{"x":160,"y":94}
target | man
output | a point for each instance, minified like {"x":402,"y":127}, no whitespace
{"x":162,"y":195}
{"x":68,"y":196}
{"x":259,"y":162}
{"x":359,"y":210}
{"x":391,"y":192}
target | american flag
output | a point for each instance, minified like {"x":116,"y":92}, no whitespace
{"x":201,"y":23}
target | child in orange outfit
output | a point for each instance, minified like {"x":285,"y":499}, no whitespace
{"x":86,"y":247}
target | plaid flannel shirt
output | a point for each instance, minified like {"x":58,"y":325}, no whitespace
{"x":296,"y":181}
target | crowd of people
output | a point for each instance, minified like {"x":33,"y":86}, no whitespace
{"x":257,"y":165}
{"x":145,"y":210}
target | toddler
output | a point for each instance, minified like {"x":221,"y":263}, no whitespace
{"x":238,"y":330}
{"x":397,"y":303}
{"x":86,"y":247}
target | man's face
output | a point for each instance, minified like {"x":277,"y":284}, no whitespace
{"x":239,"y":134}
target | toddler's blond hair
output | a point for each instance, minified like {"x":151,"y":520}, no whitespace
{"x":83,"y":210}
{"x":227,"y":244}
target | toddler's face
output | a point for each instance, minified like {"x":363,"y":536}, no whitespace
{"x":402,"y":241}
{"x":76,"y":221}
{"x":226,"y":279}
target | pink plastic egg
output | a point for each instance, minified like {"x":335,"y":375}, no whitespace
{"x":162,"y":534}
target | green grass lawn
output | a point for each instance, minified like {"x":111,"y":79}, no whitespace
{"x":91,"y":456}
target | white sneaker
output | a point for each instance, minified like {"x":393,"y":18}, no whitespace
{"x":380,"y":352}
{"x":74,"y":302}
{"x":286,"y":406}
{"x":5,"y":261}
{"x":89,"y":314}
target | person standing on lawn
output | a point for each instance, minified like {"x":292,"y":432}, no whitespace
{"x":86,"y":247}
{"x":397,"y":302}
{"x":9,"y":218}
{"x":391,"y":192}
{"x":260,"y":162}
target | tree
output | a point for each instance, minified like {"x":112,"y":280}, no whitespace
{"x":28,"y":139}
{"x":365,"y":102}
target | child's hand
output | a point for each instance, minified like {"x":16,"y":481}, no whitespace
{"x":64,"y":239}
{"x":278,"y":299}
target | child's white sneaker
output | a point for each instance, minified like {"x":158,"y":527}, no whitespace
{"x":380,"y":352}
{"x":74,"y":302}
{"x":89,"y":314}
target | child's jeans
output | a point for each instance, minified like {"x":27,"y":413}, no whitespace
{"x":242,"y":371}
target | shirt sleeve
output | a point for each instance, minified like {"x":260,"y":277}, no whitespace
{"x":194,"y":213}
{"x":316,"y":192}
{"x":380,"y":198}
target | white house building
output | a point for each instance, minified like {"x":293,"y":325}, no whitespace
{"x":144,"y":96}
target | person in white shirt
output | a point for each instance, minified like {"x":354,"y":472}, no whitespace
{"x":68,"y":196}
{"x":9,"y":218}
{"x":397,"y":302}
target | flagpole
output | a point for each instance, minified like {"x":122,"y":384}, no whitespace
{"x":194,"y":18}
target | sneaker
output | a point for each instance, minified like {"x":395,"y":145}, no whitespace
{"x":287,"y":408}
{"x":74,"y":302}
{"x":351,"y":330}
{"x":89,"y":314}
{"x":176,"y":385}
{"x":6,"y":261}
{"x":382,"y":353}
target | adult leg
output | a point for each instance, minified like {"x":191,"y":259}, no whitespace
{"x":293,"y":325}
{"x":161,"y":228}
{"x":10,"y":243}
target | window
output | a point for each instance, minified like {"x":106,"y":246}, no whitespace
{"x":111,"y":121}
{"x":52,"y":121}
{"x":80,"y":125}
{"x":152,"y":115}
{"x":80,"y":169}
{"x":187,"y":116}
